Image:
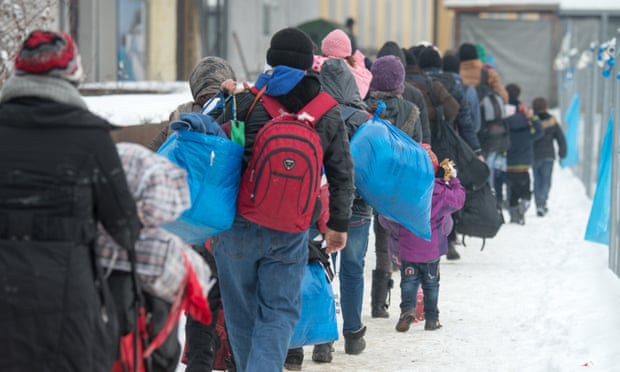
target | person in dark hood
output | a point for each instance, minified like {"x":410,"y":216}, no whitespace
{"x":60,"y":177}
{"x":261,"y":269}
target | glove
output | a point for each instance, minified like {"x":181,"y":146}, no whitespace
{"x":449,"y":169}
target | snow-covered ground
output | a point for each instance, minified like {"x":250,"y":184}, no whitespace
{"x":538,"y":298}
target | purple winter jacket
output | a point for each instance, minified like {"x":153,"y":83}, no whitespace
{"x":447,"y":198}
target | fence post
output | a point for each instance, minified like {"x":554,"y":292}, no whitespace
{"x":590,"y":121}
{"x":614,"y":210}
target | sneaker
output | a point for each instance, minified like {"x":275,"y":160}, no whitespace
{"x":452,"y":253}
{"x":431,"y":325}
{"x":540,"y":211}
{"x":294,"y":359}
{"x":405,"y":320}
{"x":354,"y":343}
{"x":322,"y":353}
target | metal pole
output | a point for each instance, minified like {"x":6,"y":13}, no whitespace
{"x":588,"y":140}
{"x":614,"y":237}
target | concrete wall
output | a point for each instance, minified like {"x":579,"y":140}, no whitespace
{"x":162,"y":40}
{"x":97,"y":39}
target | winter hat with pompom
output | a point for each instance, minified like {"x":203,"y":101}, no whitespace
{"x":336,"y":44}
{"x":50,"y":53}
{"x":388,"y":75}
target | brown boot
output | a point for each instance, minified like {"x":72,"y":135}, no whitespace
{"x":404,"y":322}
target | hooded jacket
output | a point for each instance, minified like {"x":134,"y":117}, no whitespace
{"x":337,"y":80}
{"x":543,"y":147}
{"x":293,"y":91}
{"x":523,"y":133}
{"x":402,"y":243}
{"x":60,"y":175}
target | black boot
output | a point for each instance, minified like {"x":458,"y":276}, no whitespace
{"x":381,"y":284}
{"x":322,"y":353}
{"x":354,"y":343}
{"x":452,"y":253}
{"x":294,"y":359}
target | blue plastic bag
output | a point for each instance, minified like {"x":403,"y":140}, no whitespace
{"x":598,"y":223}
{"x":394,"y":174}
{"x":317,"y":323}
{"x":572,"y":133}
{"x":213,"y":166}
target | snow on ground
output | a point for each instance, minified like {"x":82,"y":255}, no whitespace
{"x":538,"y":298}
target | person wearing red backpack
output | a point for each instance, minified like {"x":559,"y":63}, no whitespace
{"x":262,"y":258}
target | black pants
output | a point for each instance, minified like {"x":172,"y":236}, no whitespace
{"x":519,"y":183}
{"x":201,"y":338}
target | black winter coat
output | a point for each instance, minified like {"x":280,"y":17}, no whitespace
{"x":543,"y":147}
{"x":60,"y":175}
{"x":337,"y":158}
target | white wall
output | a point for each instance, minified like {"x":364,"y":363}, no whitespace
{"x":246,"y":19}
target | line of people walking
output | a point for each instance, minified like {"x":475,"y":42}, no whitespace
{"x":63,"y":180}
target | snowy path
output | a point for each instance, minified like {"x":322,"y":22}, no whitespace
{"x":538,"y":298}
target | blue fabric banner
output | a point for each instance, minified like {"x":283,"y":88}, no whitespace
{"x":571,"y":118}
{"x":598,"y":224}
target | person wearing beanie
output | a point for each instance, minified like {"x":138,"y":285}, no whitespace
{"x":411,"y":93}
{"x":337,"y":80}
{"x":204,"y":83}
{"x":431,"y":63}
{"x":67,"y":179}
{"x":387,"y":85}
{"x":419,"y":259}
{"x":260,"y":279}
{"x":451,"y":64}
{"x":471,"y":70}
{"x":337,"y":44}
{"x":430,"y":89}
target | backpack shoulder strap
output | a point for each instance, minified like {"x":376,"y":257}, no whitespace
{"x":258,"y":95}
{"x":317,"y":107}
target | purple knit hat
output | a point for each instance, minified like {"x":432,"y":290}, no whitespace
{"x":388,"y":75}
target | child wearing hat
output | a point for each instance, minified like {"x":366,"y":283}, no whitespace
{"x":419,"y":258}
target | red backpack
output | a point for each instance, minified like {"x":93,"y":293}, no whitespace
{"x":281,"y":184}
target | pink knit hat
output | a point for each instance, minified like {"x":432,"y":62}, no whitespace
{"x":336,"y":44}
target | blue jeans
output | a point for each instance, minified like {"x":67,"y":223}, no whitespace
{"x":260,"y":273}
{"x":543,"y":169}
{"x":351,"y":273}
{"x":412,"y":275}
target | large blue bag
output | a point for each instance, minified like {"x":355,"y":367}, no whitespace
{"x":394,"y":174}
{"x":213,"y":165}
{"x":317,"y":323}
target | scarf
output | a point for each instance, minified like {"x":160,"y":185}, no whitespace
{"x":42,"y":86}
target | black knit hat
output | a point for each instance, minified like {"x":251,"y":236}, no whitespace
{"x":429,"y":58}
{"x":467,"y":52}
{"x":290,"y":47}
{"x":451,"y":63}
{"x":391,"y":48}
